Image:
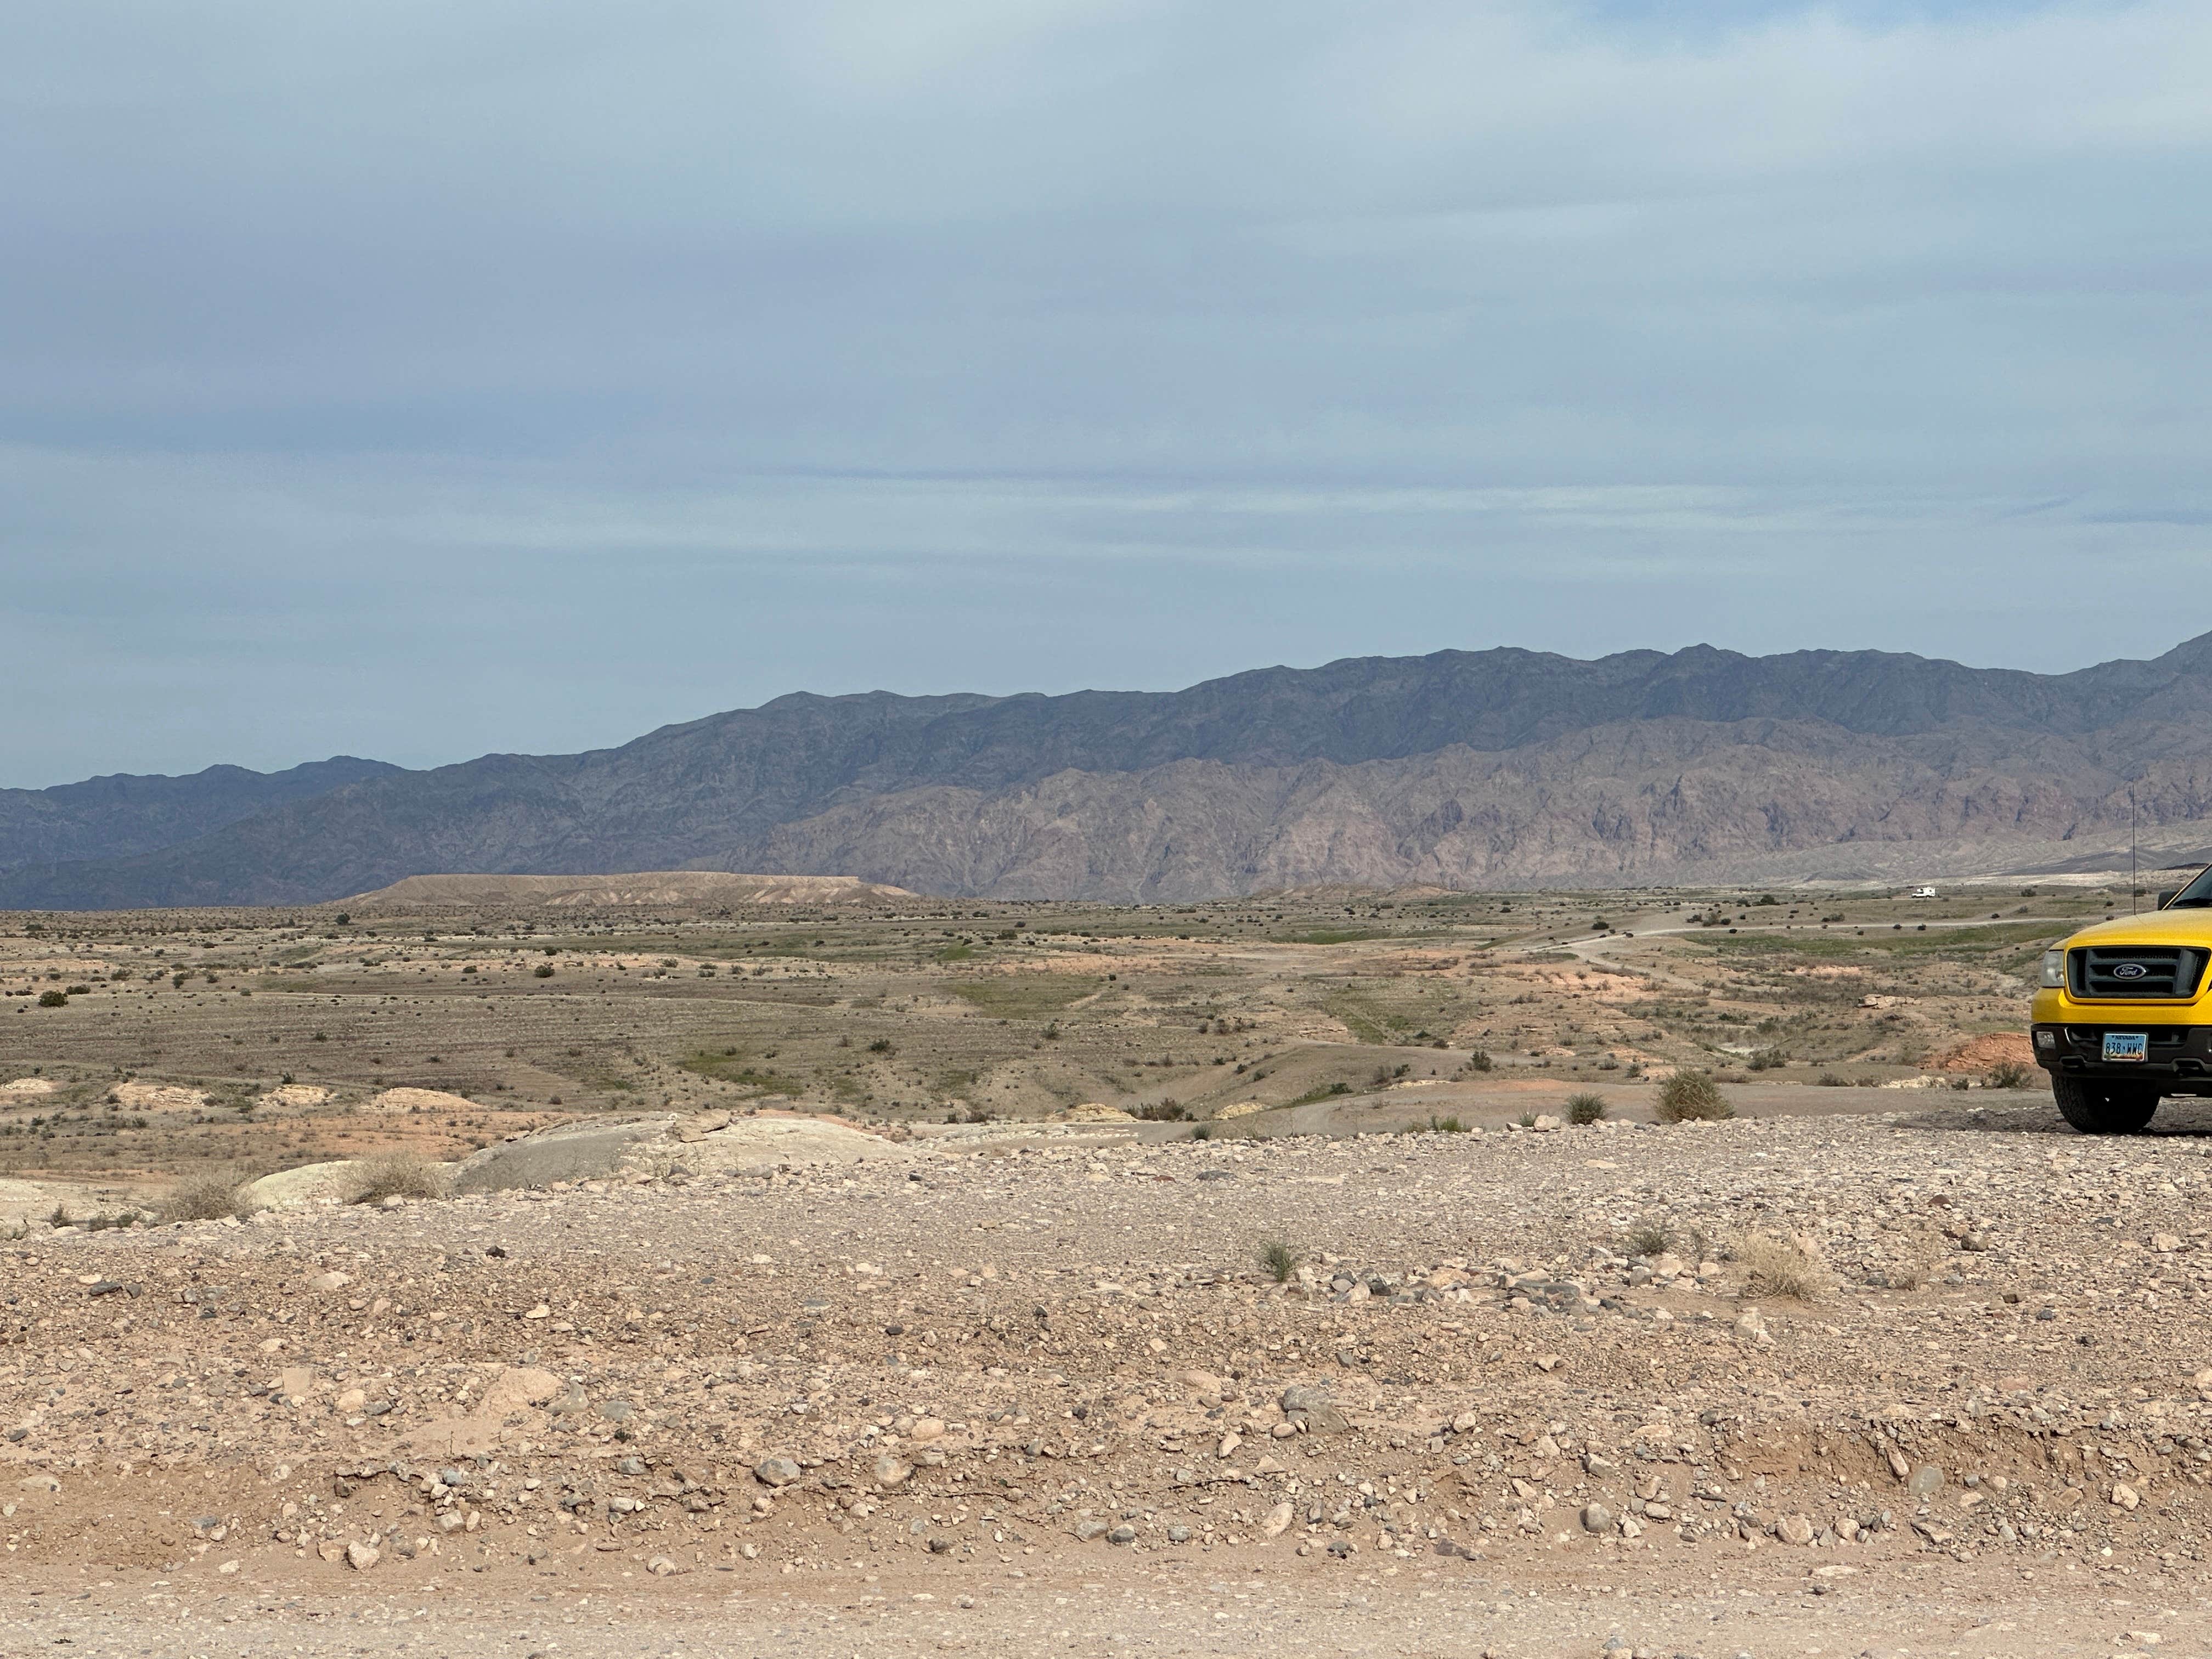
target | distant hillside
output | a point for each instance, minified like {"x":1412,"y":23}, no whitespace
{"x":121,"y":816}
{"x":1462,"y":769}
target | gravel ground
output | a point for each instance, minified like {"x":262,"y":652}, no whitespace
{"x":1527,"y":1392}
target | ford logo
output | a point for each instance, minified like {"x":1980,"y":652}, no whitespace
{"x":2129,"y":970}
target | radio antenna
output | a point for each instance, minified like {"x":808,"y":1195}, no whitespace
{"x":2134,"y":889}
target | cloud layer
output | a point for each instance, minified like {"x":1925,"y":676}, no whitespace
{"x":418,"y":379}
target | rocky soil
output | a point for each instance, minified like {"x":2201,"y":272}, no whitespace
{"x":1924,"y":1384}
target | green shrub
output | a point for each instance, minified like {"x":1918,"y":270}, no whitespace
{"x":2009,"y":1074}
{"x":1163,"y":1111}
{"x":1585,"y":1107}
{"x":1693,"y":1097}
{"x":53,"y":999}
{"x":543,"y":971}
{"x":1480,"y":1060}
{"x":1278,"y":1259}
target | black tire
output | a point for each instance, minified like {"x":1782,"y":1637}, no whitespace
{"x":2097,"y":1108}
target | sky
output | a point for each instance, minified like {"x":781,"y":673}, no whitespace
{"x":418,"y":381}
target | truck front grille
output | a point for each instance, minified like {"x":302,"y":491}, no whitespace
{"x":2113,"y":973}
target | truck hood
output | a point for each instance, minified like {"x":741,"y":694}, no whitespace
{"x":2191,"y":926}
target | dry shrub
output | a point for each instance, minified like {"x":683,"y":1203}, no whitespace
{"x":1692,"y":1096}
{"x":1919,"y":1265}
{"x":398,"y":1175}
{"x":1585,"y":1108}
{"x":206,"y":1195}
{"x":1781,"y":1267}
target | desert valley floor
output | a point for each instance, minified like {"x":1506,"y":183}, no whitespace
{"x":857,"y":1273}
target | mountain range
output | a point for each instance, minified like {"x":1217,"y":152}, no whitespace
{"x":1488,"y":769}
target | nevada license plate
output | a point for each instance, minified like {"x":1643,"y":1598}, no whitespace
{"x":2126,"y":1045}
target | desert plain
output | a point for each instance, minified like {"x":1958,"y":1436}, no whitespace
{"x":822,"y":1269}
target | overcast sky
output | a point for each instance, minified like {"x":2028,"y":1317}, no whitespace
{"x":418,"y":379}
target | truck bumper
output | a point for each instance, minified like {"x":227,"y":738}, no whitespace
{"x":2178,"y":1061}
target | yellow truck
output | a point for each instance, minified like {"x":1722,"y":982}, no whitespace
{"x":2122,"y":1017}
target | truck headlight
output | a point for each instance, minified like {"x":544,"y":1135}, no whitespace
{"x":2054,"y":969}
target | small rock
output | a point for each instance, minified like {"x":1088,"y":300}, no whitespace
{"x":776,"y":1471}
{"x":2125,"y":1496}
{"x":926,"y":1428}
{"x":891,"y":1473}
{"x":1793,"y":1530}
{"x":2165,"y":1244}
{"x":660,"y":1566}
{"x":362,"y":1556}
{"x":571,"y":1398}
{"x":1089,"y":1527}
{"x":1124,"y":1534}
{"x":1926,"y":1480}
{"x":1277,"y":1522}
{"x":330,"y":1281}
{"x":1897,"y":1465}
{"x":1597,"y":1518}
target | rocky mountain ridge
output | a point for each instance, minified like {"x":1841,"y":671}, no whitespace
{"x":1463,"y":768}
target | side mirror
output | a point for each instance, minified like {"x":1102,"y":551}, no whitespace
{"x":2168,"y":897}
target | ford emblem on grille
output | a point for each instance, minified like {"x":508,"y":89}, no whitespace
{"x":2129,"y":970}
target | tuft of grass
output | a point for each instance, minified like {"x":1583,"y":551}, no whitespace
{"x":1203,"y":1132}
{"x":207,"y":1195}
{"x":1647,"y":1238}
{"x":397,"y":1174}
{"x":1446,"y":1126}
{"x":1781,"y":1267}
{"x":1585,"y":1107}
{"x":1278,"y":1259}
{"x":2009,"y":1074}
{"x":1169,"y":1110}
{"x":1693,"y":1097}
{"x":1527,"y":1120}
{"x":1322,"y":1093}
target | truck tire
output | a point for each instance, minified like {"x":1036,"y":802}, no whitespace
{"x":2103,"y":1109}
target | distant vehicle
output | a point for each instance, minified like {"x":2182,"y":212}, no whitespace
{"x":1924,"y":892}
{"x":2123,"y":1018}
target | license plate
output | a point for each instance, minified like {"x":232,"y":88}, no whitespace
{"x":2127,"y":1045}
